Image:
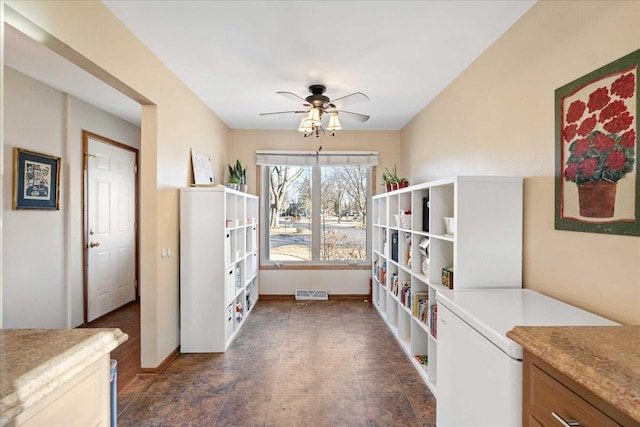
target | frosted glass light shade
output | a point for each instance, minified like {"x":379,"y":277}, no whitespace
{"x":305,"y":126}
{"x":334,"y":123}
{"x":314,"y":117}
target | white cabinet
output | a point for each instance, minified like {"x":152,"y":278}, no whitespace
{"x":218,"y":266}
{"x":484,"y":250}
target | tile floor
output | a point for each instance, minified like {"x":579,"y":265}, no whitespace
{"x":293,"y":363}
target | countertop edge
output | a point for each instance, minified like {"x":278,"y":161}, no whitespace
{"x":58,"y":371}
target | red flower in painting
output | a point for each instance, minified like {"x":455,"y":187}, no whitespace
{"x":581,"y":148}
{"x":615,"y":160}
{"x":624,"y":86}
{"x":570,"y":132}
{"x":617,"y":124}
{"x":587,"y":126}
{"x":598,"y":99}
{"x":588,"y":166}
{"x":612,"y":110}
{"x":601,"y":130}
{"x":576,"y":110}
{"x":628,"y":140}
{"x":571,"y":171}
{"x":602,"y":142}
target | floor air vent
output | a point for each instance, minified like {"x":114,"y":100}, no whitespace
{"x":312,"y":294}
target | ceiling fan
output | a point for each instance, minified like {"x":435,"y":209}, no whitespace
{"x":318,"y":104}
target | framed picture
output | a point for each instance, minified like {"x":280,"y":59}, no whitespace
{"x":36,"y":180}
{"x":597,"y":180}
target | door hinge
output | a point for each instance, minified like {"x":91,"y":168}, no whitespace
{"x":135,"y":284}
{"x":135,"y":168}
{"x":135,"y":226}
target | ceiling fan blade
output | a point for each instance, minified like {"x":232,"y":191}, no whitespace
{"x":283,"y":112}
{"x":293,"y":97}
{"x":352,"y":116}
{"x":349,"y":99}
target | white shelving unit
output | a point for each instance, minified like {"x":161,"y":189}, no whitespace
{"x":485,"y":252}
{"x":218,"y":266}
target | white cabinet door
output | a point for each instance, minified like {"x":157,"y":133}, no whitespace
{"x":478,"y":384}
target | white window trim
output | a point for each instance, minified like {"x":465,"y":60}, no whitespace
{"x":312,"y":158}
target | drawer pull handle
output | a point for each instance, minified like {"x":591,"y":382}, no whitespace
{"x":567,"y":423}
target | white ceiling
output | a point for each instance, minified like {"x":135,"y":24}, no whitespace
{"x":235,"y":55}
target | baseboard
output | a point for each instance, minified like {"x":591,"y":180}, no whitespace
{"x":162,"y":366}
{"x":331,"y":297}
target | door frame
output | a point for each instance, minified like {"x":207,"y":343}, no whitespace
{"x":85,"y":220}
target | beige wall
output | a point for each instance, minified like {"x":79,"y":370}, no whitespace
{"x":498,"y":118}
{"x":244,"y":147}
{"x":175,"y":121}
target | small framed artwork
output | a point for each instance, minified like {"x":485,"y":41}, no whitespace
{"x":36,"y":180}
{"x":597,"y":179}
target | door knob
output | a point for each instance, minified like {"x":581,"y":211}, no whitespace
{"x":94,"y":244}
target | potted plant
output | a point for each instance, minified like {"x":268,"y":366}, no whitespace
{"x":403,"y":183}
{"x":234,"y":182}
{"x":239,"y":176}
{"x":390,"y":179}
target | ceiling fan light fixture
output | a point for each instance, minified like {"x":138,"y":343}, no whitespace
{"x":305,"y":126}
{"x":313,"y":119}
{"x":334,"y":123}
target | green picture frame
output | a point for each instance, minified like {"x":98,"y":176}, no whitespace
{"x":36,"y":180}
{"x":597,"y":182}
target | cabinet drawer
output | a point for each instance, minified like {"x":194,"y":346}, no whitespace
{"x":548,"y":396}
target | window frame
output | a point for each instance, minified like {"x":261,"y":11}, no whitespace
{"x":315,"y":262}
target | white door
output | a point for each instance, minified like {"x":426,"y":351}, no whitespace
{"x":111,"y":236}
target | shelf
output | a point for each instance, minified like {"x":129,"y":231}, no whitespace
{"x":208,"y":310}
{"x":484,"y":207}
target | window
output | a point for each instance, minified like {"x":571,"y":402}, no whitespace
{"x":317,"y":209}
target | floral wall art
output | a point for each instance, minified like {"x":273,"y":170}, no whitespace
{"x":597,"y":185}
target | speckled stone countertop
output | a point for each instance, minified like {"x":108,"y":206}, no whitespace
{"x":603,"y":359}
{"x":34,"y":362}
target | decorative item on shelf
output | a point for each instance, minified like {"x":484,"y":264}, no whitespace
{"x":390,"y":179}
{"x":596,"y":150}
{"x":447,"y":277}
{"x":422,"y":359}
{"x":449,"y":226}
{"x":233,"y":183}
{"x":238,"y":176}
{"x":239,"y":315}
{"x":403,"y":183}
{"x":405,"y":219}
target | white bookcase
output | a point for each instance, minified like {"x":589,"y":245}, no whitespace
{"x":218,"y":266}
{"x":485,"y":251}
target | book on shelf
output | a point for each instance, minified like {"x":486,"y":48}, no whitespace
{"x":394,"y":284}
{"x":420,"y":306}
{"x":434,"y":320}
{"x":405,"y":293}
